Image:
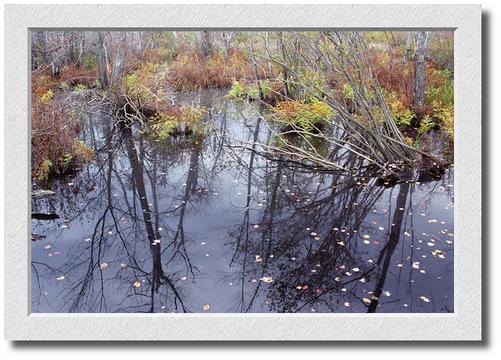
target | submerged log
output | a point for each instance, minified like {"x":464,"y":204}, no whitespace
{"x":41,"y":194}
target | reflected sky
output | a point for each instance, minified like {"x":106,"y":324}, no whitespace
{"x":209,"y":223}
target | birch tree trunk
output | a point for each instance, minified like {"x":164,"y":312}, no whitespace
{"x":419,"y":68}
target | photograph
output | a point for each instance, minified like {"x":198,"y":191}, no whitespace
{"x":242,"y":171}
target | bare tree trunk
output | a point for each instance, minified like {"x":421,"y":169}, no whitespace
{"x":254,"y":66}
{"x":227,"y":37}
{"x":205,"y":45}
{"x":419,"y":68}
{"x":119,"y":60}
{"x":285,"y":73}
{"x":407,"y":47}
{"x":138,"y":46}
{"x":101,"y":60}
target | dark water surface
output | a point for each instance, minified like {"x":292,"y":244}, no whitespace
{"x":199,"y":224}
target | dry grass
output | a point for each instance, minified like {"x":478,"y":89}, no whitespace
{"x":189,"y":72}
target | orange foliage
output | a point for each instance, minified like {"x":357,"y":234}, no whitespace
{"x":189,"y":72}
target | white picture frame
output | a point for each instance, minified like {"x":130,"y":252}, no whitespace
{"x":464,"y":324}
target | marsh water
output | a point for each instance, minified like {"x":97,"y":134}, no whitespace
{"x":208,"y":223}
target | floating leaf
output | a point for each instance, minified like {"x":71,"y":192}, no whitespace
{"x":136,"y":284}
{"x":438,"y":253}
{"x":103,"y":266}
{"x":206,"y":307}
{"x":425,"y":299}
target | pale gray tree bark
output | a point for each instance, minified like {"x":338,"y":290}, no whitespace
{"x":227,"y":38}
{"x":138,"y":43}
{"x":254,"y":66}
{"x":101,"y":60}
{"x":205,"y":44}
{"x":420,"y":39}
{"x":119,"y":58}
{"x":407,"y":47}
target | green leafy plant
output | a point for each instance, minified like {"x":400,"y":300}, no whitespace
{"x":237,"y":90}
{"x":43,"y":170}
{"x":79,"y":89}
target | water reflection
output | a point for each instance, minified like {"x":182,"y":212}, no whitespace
{"x":200,"y":224}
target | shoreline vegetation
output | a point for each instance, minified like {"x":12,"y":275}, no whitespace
{"x":386,"y":98}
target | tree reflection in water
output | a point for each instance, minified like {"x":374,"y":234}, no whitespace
{"x":170,"y":226}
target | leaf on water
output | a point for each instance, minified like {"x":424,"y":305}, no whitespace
{"x":256,"y":226}
{"x":438,"y":253}
{"x":47,"y":247}
{"x":103,"y":266}
{"x":347,"y":304}
{"x":430,"y":243}
{"x":123,"y":265}
{"x":340,"y":243}
{"x":425,"y":299}
{"x":415,"y":265}
{"x":366,"y":300}
{"x":386,"y":293}
{"x":313,"y":233}
{"x":136,"y":284}
{"x":381,"y":228}
{"x":258,"y":259}
{"x":59,"y":278}
{"x":317,"y":238}
{"x":355,"y":269}
{"x":206,"y":307}
{"x":366,"y":236}
{"x":367,"y":242}
{"x":267,"y":279}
